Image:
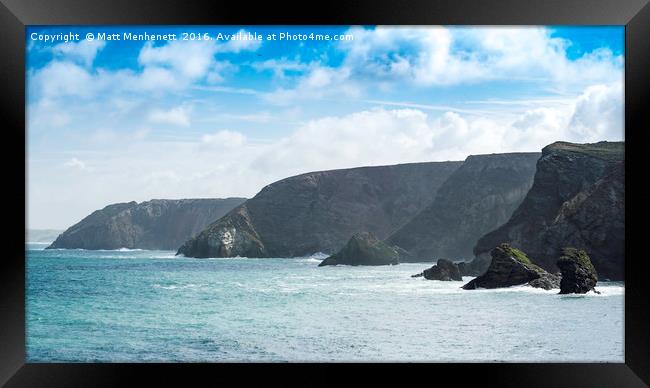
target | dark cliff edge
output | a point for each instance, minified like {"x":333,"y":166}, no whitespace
{"x":578,"y":200}
{"x":321,"y":211}
{"x":157,"y":224}
{"x":476,"y":199}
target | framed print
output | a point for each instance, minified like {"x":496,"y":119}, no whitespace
{"x":443,"y":187}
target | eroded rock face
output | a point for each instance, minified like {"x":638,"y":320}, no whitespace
{"x":578,"y":274}
{"x":444,"y":270}
{"x":319,"y":211}
{"x":235,"y":236}
{"x":363,"y":249}
{"x":578,"y":200}
{"x":511,"y":267}
{"x":156,"y":224}
{"x":477,"y":198}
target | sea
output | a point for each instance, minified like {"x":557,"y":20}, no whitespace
{"x":152,"y":306}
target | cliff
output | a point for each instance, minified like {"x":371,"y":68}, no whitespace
{"x":321,"y":211}
{"x":156,"y":224}
{"x":578,"y":200}
{"x":476,"y":199}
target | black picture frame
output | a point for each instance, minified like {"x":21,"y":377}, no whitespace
{"x":16,"y":14}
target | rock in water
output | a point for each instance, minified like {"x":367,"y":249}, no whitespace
{"x":511,"y":267}
{"x":364,"y":249}
{"x":577,"y":200}
{"x":578,"y":274}
{"x":444,"y":270}
{"x":156,"y":224}
{"x":235,"y":237}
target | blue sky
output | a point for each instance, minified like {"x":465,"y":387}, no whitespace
{"x":113,"y":121}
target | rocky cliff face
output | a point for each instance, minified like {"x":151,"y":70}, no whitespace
{"x":477,"y":198}
{"x":320,"y":211}
{"x":578,"y":200}
{"x":155,"y":224}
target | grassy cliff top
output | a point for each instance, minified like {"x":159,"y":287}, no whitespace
{"x":516,"y":254}
{"x":606,"y":150}
{"x":519,"y":256}
{"x":579,"y":256}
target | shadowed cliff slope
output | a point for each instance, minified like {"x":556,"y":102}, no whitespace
{"x":477,"y":198}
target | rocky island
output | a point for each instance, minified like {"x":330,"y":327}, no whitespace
{"x":444,"y":270}
{"x":364,"y":249}
{"x":578,"y":274}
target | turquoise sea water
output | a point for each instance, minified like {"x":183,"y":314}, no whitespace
{"x":146,"y":306}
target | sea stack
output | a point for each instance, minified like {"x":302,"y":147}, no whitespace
{"x":444,"y":270}
{"x":578,"y":274}
{"x":363,"y":249}
{"x":511,"y":267}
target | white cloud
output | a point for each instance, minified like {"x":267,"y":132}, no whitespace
{"x":194,"y":60}
{"x":77,"y":164}
{"x":387,"y":57}
{"x":599,"y":113}
{"x":422,"y":55}
{"x":189,"y":60}
{"x":319,"y":82}
{"x":445,"y":56}
{"x":175,"y":116}
{"x":174,"y":66}
{"x":224,"y":138}
{"x":83,"y":52}
{"x":280,"y":67}
{"x":61,"y":79}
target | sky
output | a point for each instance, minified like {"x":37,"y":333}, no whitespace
{"x":120,"y":120}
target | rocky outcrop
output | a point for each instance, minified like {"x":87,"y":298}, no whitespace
{"x":444,"y":270}
{"x":156,"y":224}
{"x":476,"y":199}
{"x":236,"y":236}
{"x":578,"y":200}
{"x":363,"y":249}
{"x":578,"y":274}
{"x":319,"y":211}
{"x":511,"y":267}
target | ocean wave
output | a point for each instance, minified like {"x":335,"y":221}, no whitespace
{"x":177,"y":286}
